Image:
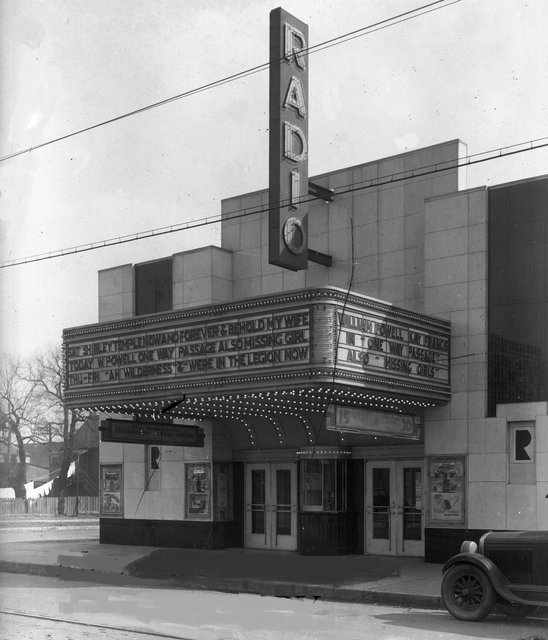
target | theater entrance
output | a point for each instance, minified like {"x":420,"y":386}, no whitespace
{"x":271,"y":506}
{"x":394,"y":508}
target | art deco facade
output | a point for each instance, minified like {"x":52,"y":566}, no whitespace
{"x":392,"y":400}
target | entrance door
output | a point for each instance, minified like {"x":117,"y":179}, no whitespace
{"x":394,"y":510}
{"x":271,"y":506}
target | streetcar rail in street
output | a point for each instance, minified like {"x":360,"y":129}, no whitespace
{"x":143,"y":632}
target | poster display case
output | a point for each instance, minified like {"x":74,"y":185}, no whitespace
{"x":222,"y":485}
{"x":112,"y":491}
{"x":446,"y":490}
{"x":198,"y":491}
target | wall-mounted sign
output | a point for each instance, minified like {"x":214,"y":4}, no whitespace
{"x":522,"y":463}
{"x":175,"y":435}
{"x":288,"y":155}
{"x":365,"y":421}
{"x":153,"y":466}
{"x":522,"y":443}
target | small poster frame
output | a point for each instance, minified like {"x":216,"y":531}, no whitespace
{"x":112,"y":491}
{"x":447,"y":490}
{"x":198,"y":491}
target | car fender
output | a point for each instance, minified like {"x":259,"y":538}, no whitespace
{"x":498,"y":580}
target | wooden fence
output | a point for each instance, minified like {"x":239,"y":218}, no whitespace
{"x":87,"y":505}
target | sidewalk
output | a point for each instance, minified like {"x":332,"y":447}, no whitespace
{"x":405,"y":582}
{"x":29,"y":522}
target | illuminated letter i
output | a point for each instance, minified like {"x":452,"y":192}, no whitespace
{"x":294,"y":188}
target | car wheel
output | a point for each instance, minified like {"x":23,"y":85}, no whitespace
{"x":467,"y":593}
{"x":516,"y":610}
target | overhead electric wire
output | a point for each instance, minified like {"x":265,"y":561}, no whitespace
{"x":352,"y":35}
{"x":350,"y":284}
{"x":377,"y":26}
{"x":531,"y":145}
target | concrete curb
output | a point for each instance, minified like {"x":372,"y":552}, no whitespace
{"x":58,"y":527}
{"x":56,"y":540}
{"x":257,"y":587}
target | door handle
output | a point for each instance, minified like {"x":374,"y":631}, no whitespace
{"x":389,"y":510}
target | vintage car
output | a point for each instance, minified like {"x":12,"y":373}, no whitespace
{"x":507,"y":571}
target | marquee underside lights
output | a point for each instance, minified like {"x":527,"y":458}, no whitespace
{"x":301,"y":403}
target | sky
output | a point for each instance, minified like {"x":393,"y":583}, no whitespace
{"x":476,"y":70}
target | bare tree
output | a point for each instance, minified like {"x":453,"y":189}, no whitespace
{"x":19,"y":412}
{"x":47,"y":376}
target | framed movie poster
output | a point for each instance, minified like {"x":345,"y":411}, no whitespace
{"x":198,"y":490}
{"x":222,"y":491}
{"x":112,"y":490}
{"x":447,"y":490}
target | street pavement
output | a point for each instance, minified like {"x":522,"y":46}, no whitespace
{"x":36,"y":607}
{"x":407,"y":582}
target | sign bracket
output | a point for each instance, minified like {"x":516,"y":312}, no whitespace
{"x":320,"y":258}
{"x":316,"y":190}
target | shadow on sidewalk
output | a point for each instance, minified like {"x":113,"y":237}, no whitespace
{"x":250,"y":565}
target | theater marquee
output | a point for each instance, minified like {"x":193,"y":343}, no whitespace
{"x":374,"y":344}
{"x":191,"y":350}
{"x":306,"y":338}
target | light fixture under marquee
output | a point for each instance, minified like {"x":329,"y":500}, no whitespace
{"x":301,"y":403}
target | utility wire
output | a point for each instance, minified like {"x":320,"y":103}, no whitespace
{"x":329,"y":399}
{"x":377,"y":26}
{"x":419,"y":172}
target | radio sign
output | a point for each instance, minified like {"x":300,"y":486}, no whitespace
{"x":288,"y":154}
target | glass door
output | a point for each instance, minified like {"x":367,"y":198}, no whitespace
{"x":394,"y":513}
{"x":271,"y":506}
{"x":284,"y":506}
{"x":379,"y":505}
{"x":256,"y":528}
{"x":410,"y":510}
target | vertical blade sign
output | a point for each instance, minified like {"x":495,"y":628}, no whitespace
{"x":288,"y":155}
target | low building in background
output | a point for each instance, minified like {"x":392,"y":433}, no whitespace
{"x":40,"y":462}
